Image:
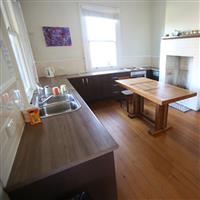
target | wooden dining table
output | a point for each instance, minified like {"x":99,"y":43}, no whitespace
{"x":161,"y":94}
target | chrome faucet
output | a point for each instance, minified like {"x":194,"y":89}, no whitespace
{"x":45,"y":100}
{"x":43,"y":95}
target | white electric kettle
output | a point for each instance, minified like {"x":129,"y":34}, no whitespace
{"x":49,"y":72}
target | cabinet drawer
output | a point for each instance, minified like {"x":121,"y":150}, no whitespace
{"x":116,"y":92}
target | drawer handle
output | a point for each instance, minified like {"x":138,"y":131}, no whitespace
{"x":116,"y":92}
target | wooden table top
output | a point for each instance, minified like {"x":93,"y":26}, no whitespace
{"x":155,"y":91}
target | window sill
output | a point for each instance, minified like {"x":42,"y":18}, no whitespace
{"x":99,"y":69}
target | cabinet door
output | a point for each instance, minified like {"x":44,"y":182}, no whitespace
{"x":106,"y":86}
{"x":149,"y":74}
{"x":98,"y":87}
{"x":102,"y":87}
{"x":80,"y":85}
{"x":92,"y":88}
{"x":87,"y":87}
{"x":156,"y":75}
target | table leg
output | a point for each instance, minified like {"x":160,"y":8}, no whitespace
{"x":161,"y":115}
{"x":138,"y":106}
{"x":160,"y":119}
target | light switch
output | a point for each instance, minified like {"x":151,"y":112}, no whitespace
{"x":10,"y":127}
{"x":3,"y":139}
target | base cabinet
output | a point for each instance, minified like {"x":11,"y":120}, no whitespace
{"x":93,"y":88}
{"x":91,"y":177}
{"x":79,"y":85}
{"x":90,"y":88}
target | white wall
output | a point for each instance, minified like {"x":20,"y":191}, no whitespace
{"x":64,"y":59}
{"x":170,"y":15}
{"x":158,"y":27}
{"x":142,"y":26}
{"x":135,"y":34}
{"x":182,"y":15}
{"x":135,"y":37}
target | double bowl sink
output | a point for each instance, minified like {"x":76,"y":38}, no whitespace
{"x":59,"y":104}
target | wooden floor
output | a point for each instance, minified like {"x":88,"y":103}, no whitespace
{"x":166,"y":166}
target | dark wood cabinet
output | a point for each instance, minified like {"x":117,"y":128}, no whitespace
{"x":92,"y":88}
{"x":79,"y":85}
{"x":153,"y":74}
{"x":89,"y":176}
{"x":98,"y":87}
{"x":102,"y":86}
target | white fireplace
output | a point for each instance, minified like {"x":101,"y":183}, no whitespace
{"x":180,"y":66}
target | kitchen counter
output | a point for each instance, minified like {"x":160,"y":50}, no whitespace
{"x":98,"y":73}
{"x":115,"y":71}
{"x":94,"y":86}
{"x":59,"y":143}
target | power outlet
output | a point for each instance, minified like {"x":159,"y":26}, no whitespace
{"x":11,"y":127}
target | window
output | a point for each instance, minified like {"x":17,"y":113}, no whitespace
{"x":100,"y":39}
{"x":20,"y":62}
{"x":15,"y":25}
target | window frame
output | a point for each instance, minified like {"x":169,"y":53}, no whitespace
{"x":85,"y":41}
{"x":12,"y":25}
{"x":24,"y":72}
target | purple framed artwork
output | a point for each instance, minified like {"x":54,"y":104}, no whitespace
{"x":57,"y":36}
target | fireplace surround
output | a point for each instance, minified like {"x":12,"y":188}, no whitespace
{"x":180,"y":66}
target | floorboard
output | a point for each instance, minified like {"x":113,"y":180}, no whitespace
{"x":165,"y":166}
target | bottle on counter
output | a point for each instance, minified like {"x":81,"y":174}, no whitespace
{"x":55,"y":91}
{"x":47,"y":91}
{"x":63,"y":89}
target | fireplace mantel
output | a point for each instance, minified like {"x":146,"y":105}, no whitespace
{"x":181,"y":37}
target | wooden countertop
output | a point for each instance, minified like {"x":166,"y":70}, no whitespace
{"x":98,"y":73}
{"x":157,"y":92}
{"x":59,"y":143}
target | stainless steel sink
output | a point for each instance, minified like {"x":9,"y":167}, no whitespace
{"x":56,"y":105}
{"x":59,"y":99}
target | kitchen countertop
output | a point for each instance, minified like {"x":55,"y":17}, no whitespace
{"x":98,"y":73}
{"x":85,"y":74}
{"x":59,"y":143}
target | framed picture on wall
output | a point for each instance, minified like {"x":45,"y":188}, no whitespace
{"x":57,"y":36}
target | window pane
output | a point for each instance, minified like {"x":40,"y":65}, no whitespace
{"x":20,"y":62}
{"x":102,"y":54}
{"x":101,"y":28}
